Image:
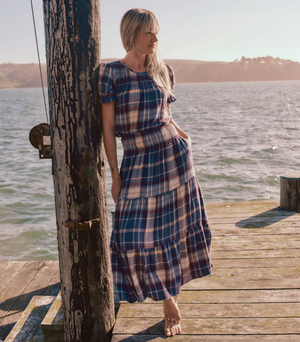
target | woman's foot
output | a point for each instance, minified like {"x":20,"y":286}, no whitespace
{"x":172,"y":328}
{"x":171,"y":311}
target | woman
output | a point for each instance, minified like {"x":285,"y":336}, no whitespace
{"x":161,"y":237}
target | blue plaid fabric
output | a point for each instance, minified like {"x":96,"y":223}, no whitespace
{"x":161,"y":236}
{"x":140,"y":103}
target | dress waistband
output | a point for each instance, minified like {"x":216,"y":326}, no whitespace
{"x":149,"y":138}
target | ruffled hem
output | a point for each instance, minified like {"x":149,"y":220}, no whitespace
{"x":160,"y":272}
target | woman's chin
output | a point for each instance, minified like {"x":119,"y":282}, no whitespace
{"x":151,"y":52}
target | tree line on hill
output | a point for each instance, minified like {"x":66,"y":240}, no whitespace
{"x":186,"y":71}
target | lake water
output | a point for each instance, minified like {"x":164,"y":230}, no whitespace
{"x":244,"y":135}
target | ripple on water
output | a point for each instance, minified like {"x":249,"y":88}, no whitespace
{"x":234,"y":128}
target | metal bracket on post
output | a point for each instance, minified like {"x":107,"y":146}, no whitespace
{"x":82,"y":226}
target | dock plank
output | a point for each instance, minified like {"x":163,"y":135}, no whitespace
{"x":28,"y":326}
{"x":260,"y":243}
{"x":256,"y":207}
{"x":214,"y":310}
{"x":277,"y":228}
{"x":206,"y":338}
{"x":11,"y":294}
{"x":252,"y":222}
{"x":253,"y":254}
{"x":248,"y":278}
{"x":219,"y":326}
{"x":259,"y":263}
{"x":9,"y":272}
{"x":232,"y":284}
{"x":39,"y":285}
{"x":236,"y":296}
{"x":253,"y":273}
{"x":3,"y":264}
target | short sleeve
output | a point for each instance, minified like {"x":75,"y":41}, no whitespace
{"x":171,"y":97}
{"x":106,"y":83}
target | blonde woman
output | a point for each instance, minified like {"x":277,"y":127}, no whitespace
{"x":161,"y":237}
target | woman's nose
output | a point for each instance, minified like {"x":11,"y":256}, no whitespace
{"x":154,"y":37}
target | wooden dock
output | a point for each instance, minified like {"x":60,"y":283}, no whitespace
{"x":253,"y":294}
{"x":20,"y":281}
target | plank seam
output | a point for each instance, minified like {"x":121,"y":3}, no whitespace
{"x":17,"y":297}
{"x":11,"y":262}
{"x":5,"y":265}
{"x":54,"y":275}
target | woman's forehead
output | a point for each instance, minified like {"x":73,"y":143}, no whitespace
{"x":150,"y":28}
{"x":151,"y":25}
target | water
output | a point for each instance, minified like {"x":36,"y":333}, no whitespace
{"x":244,"y":135}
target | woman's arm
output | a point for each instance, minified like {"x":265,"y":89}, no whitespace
{"x":110,"y":145}
{"x":179,"y":130}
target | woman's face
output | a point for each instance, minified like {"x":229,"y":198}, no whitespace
{"x":146,"y":42}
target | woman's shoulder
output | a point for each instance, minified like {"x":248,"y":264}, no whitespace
{"x":113,"y":66}
{"x":114,"y":70}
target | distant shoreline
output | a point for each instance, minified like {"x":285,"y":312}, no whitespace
{"x":39,"y":87}
{"x":15,"y":76}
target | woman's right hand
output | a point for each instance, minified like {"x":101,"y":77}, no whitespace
{"x":116,"y":187}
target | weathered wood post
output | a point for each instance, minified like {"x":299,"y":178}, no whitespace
{"x":290,"y":192}
{"x":72,"y":30}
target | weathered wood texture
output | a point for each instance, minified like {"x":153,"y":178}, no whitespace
{"x":72,"y":30}
{"x":20,"y":281}
{"x":253,"y":293}
{"x":208,"y":338}
{"x":290,"y":192}
{"x":28,"y":326}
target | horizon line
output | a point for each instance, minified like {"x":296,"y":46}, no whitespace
{"x":173,"y":59}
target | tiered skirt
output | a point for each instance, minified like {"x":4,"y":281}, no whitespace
{"x":161,"y":236}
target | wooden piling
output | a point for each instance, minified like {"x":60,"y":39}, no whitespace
{"x":290,"y":192}
{"x":72,"y":32}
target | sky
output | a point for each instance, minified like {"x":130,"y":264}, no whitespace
{"x":208,"y":30}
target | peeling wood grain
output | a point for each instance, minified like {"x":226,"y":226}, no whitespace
{"x":73,"y":54}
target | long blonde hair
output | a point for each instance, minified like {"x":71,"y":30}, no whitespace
{"x":135,"y":21}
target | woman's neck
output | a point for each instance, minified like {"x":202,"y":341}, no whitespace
{"x":135,"y":61}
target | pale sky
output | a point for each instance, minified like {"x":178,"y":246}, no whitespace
{"x":209,"y":30}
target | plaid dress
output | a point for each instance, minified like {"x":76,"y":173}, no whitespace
{"x":161,"y":236}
